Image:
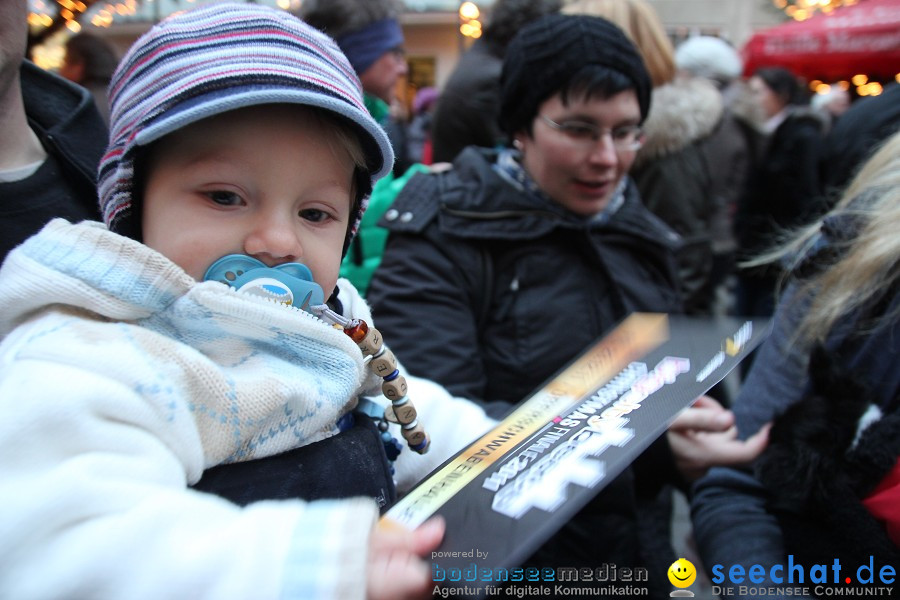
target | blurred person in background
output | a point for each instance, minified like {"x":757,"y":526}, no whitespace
{"x":470,"y":101}
{"x":52,"y":140}
{"x":832,"y":103}
{"x":853,"y":138}
{"x":397,"y":127}
{"x":729,"y":151}
{"x":782,"y":191}
{"x":827,"y":489}
{"x":419,"y":139}
{"x":90,"y":61}
{"x":369,"y":34}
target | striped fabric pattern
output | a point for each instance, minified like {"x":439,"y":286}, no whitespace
{"x":214,"y":59}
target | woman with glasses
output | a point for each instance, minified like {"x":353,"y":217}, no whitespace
{"x":683,"y":169}
{"x":502,"y":269}
{"x":513,"y":261}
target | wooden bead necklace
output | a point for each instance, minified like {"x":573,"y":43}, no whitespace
{"x":383,"y":362}
{"x":292,"y":284}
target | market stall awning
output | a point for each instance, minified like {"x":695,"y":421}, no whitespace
{"x":860,"y":39}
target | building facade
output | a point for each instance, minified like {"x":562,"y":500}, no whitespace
{"x":434,"y":43}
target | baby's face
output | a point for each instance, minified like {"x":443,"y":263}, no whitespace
{"x":262,"y":181}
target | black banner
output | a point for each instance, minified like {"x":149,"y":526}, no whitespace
{"x":508,"y":492}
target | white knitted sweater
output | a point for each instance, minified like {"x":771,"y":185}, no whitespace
{"x":122,"y":379}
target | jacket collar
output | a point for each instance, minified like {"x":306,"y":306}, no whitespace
{"x":477,"y":202}
{"x":65,"y":118}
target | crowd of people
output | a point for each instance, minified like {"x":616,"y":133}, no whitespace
{"x":169,"y":433}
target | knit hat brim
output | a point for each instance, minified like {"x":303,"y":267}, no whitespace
{"x":216,"y":59}
{"x":376,"y":147}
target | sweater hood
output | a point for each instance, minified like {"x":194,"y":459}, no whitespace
{"x":682,"y":112}
{"x":282,"y":376}
{"x":82,"y":267}
{"x":87,"y":269}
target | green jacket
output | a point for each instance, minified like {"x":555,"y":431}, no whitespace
{"x":364,"y":254}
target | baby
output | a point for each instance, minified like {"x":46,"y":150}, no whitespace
{"x":132,"y":367}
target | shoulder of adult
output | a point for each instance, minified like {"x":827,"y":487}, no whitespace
{"x":52,"y":102}
{"x":682,"y":112}
{"x":637,"y":219}
{"x":425,"y":194}
{"x":65,"y":117}
{"x":416,"y":205}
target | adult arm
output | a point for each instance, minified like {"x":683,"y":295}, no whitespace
{"x":729,"y":504}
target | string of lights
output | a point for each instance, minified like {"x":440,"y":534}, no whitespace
{"x":800,"y":10}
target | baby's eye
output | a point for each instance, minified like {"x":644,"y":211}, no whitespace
{"x":314,"y":215}
{"x":224,"y":198}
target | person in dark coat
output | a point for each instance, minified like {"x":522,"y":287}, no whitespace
{"x":510,"y":264}
{"x":672,"y":171}
{"x":467,"y":112}
{"x":728,"y":152}
{"x":826,"y":488}
{"x":52,"y":141}
{"x":783,"y":188}
{"x":488,"y":250}
{"x":854,"y":137}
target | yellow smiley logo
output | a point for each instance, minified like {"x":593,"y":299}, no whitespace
{"x":682,"y":573}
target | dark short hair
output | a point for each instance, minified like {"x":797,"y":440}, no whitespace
{"x":340,"y":17}
{"x":509,"y":16}
{"x":782,"y":82}
{"x":96,"y":54}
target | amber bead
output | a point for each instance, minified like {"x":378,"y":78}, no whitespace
{"x":357,"y":330}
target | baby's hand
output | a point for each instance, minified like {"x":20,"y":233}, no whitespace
{"x":395,"y":569}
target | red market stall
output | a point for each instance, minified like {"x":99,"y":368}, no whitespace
{"x":863,"y":38}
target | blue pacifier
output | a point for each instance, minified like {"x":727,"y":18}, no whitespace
{"x":290,"y":283}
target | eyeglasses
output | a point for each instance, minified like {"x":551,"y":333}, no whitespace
{"x":626,"y":138}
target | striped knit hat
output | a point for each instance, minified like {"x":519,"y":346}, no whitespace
{"x":220,"y":58}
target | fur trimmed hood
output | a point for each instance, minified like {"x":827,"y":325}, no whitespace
{"x":682,"y":112}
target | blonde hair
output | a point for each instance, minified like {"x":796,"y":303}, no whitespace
{"x":641,"y":23}
{"x":869,"y":265}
